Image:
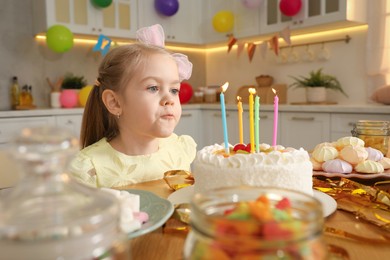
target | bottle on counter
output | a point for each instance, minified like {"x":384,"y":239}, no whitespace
{"x":15,"y":92}
{"x":25,"y":97}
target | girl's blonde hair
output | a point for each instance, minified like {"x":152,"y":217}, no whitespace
{"x":115,"y":72}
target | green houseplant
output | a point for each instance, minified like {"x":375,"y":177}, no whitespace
{"x":317,"y":81}
{"x":73,"y":82}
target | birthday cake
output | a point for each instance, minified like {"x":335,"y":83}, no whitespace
{"x":272,"y":166}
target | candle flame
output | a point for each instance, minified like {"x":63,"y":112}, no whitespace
{"x":224,"y":87}
{"x":273,"y":90}
{"x":238,"y":98}
{"x":252,"y":90}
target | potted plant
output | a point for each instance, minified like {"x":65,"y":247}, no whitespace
{"x":316,"y":84}
{"x":71,"y":86}
{"x":73,"y":82}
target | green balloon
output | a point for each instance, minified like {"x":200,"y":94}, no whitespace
{"x":102,"y":3}
{"x":59,"y":38}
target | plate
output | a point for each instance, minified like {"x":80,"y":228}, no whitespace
{"x":385,"y":174}
{"x":184,"y":195}
{"x":158,"y":209}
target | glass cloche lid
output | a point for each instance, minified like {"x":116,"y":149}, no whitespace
{"x":49,"y":215}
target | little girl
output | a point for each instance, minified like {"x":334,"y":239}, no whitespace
{"x":127,"y":130}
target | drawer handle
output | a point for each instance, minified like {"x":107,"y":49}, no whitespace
{"x":69,"y":122}
{"x":186,"y":115}
{"x":263,"y":117}
{"x":351,"y":124}
{"x":219,"y":115}
{"x":298,"y":118}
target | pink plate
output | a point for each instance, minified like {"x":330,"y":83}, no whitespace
{"x":385,"y":174}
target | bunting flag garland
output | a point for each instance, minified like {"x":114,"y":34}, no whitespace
{"x":274,"y":43}
{"x":231,"y":42}
{"x":286,"y":34}
{"x":251,"y":50}
{"x":240,"y":48}
{"x":103,"y":44}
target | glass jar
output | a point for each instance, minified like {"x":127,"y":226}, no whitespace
{"x":48,"y":215}
{"x":375,"y":134}
{"x":215,"y":236}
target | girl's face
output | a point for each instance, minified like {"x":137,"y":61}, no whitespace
{"x":151,"y":105}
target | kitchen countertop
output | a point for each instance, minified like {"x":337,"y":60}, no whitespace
{"x":41,"y":112}
{"x":364,"y":108}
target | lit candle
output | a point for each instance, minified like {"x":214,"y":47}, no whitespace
{"x":251,"y":120}
{"x":257,"y":118}
{"x":223,"y":111}
{"x":240,"y":126}
{"x":276,"y":108}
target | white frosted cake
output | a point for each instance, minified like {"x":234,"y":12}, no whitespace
{"x":281,"y":167}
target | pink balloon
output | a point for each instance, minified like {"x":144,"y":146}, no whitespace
{"x":69,"y":98}
{"x":252,"y":3}
{"x":290,"y":7}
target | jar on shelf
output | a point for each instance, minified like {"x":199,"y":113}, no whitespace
{"x":210,"y":95}
{"x":223,"y":225}
{"x":48,"y":215}
{"x":375,"y":134}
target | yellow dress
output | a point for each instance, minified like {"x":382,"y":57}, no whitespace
{"x":100,"y":165}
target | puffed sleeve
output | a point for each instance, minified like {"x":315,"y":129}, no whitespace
{"x":189,"y":147}
{"x":82,"y":169}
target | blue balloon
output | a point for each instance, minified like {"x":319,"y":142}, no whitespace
{"x":166,"y":7}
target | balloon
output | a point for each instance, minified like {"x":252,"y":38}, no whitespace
{"x":252,"y":3}
{"x":69,"y":98}
{"x":223,"y":21}
{"x":290,"y":7}
{"x":166,"y":7}
{"x":84,"y":94}
{"x":59,"y":38}
{"x":185,"y":93}
{"x":102,"y":3}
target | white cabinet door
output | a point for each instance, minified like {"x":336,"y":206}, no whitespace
{"x":313,"y":13}
{"x":182,"y":27}
{"x":342,"y":124}
{"x":9,"y":127}
{"x":190,"y":124}
{"x":213,"y":130}
{"x":304,"y":129}
{"x":71,"y":122}
{"x":265,"y":127}
{"x":117,"y":20}
{"x":82,"y":17}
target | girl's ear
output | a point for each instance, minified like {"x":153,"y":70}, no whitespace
{"x":111,"y":101}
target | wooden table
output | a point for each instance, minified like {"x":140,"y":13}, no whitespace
{"x":169,"y":245}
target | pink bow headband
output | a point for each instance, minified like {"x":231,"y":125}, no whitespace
{"x":154,"y":35}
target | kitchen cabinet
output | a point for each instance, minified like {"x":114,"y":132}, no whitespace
{"x":213,"y":130}
{"x":246,"y":21}
{"x":71,"y":122}
{"x":82,"y":17}
{"x":303,"y":129}
{"x":189,"y":124}
{"x":9,"y":127}
{"x":342,"y":124}
{"x":314,"y":13}
{"x":265,"y":127}
{"x":182,"y":27}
